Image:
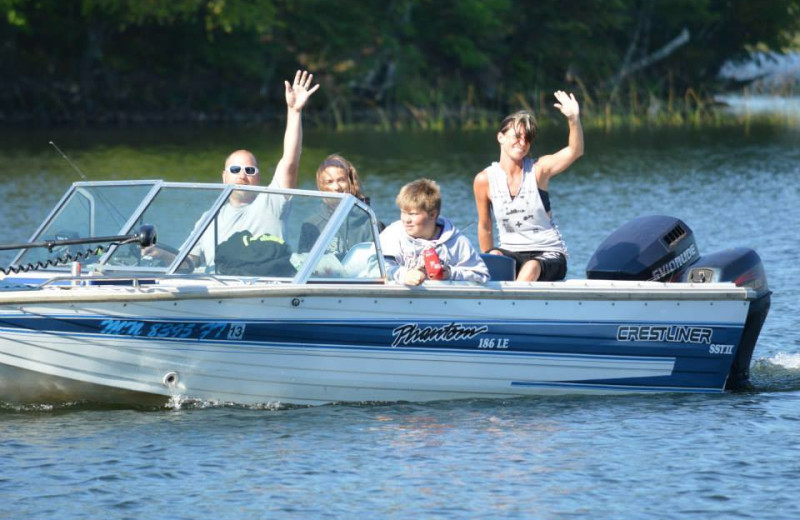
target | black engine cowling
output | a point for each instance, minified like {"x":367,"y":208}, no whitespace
{"x":646,"y":248}
{"x":662,"y":248}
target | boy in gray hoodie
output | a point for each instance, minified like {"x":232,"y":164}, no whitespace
{"x":424,"y":245}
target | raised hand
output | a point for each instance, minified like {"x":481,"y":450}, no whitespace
{"x":567,"y":104}
{"x":298,"y":92}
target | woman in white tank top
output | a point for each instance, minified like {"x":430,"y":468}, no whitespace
{"x":515,"y":190}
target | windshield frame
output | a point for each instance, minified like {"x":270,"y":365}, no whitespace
{"x":76,"y":190}
{"x":346,"y":204}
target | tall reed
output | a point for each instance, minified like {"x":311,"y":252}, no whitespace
{"x":640,"y":107}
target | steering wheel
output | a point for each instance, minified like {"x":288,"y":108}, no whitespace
{"x":155,"y":261}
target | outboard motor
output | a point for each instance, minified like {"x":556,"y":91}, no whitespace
{"x":662,"y":248}
{"x":646,"y":248}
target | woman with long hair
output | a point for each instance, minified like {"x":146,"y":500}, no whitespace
{"x":337,"y":175}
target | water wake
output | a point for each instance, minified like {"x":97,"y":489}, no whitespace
{"x":780,"y":372}
{"x":790,"y":361}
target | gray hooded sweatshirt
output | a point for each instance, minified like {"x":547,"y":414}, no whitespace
{"x":455,"y":251}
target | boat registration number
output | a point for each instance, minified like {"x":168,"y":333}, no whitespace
{"x":149,"y":329}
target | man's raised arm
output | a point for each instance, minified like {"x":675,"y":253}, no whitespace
{"x":297,"y":95}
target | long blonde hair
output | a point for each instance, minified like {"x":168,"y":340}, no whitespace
{"x":337,"y":161}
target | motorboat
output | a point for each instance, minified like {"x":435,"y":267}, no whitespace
{"x":151,"y":291}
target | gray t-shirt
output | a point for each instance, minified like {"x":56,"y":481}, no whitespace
{"x":265,"y":215}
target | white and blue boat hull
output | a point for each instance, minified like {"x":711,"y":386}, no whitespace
{"x":324,"y":344}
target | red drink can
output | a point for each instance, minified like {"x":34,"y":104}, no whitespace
{"x":433,"y":266}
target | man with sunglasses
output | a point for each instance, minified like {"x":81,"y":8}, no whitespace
{"x":241,"y":167}
{"x":246,"y":210}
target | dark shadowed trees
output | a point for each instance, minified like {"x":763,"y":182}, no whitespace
{"x":425,"y":60}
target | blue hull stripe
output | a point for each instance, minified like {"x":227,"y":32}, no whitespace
{"x":619,"y":388}
{"x":327,"y":346}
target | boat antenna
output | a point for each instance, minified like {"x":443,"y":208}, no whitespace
{"x":113,"y":209}
{"x":75,"y":166}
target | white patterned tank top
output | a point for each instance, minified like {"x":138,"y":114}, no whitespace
{"x":522,"y":222}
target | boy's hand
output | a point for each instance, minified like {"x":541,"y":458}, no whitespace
{"x":414,"y":277}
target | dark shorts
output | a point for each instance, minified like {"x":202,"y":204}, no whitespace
{"x":553,"y":263}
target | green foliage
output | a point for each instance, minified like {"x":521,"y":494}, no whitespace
{"x":425,"y":63}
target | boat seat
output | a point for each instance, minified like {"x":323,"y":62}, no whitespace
{"x":361,"y":261}
{"x":501,"y":268}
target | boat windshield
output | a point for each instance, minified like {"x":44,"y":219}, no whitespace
{"x":175,"y":211}
{"x":281,"y":234}
{"x":215,"y":229}
{"x":86,"y":211}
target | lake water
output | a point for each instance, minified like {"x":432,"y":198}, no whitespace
{"x":735,"y":455}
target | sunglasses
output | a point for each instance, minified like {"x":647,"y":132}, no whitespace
{"x":235,"y":169}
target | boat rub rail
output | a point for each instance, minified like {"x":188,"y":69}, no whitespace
{"x":568,"y":290}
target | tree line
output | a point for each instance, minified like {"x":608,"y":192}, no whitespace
{"x":391,"y":63}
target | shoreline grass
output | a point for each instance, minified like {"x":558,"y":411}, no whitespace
{"x":690,"y":110}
